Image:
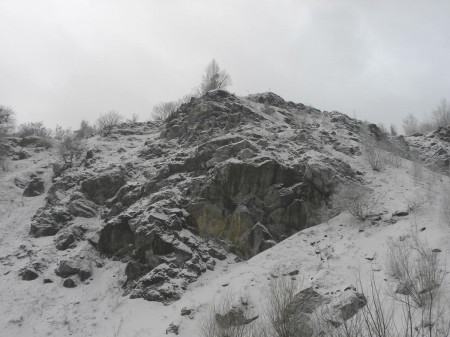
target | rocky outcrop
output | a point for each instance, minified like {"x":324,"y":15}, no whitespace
{"x":67,"y":237}
{"x":102,"y":187}
{"x":49,"y":220}
{"x":83,"y":208}
{"x":431,"y":149}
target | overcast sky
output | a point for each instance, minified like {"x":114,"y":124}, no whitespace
{"x":64,"y":61}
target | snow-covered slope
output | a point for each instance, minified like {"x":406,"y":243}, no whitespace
{"x":329,"y":256}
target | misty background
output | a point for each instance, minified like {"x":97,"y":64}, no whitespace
{"x":64,"y":61}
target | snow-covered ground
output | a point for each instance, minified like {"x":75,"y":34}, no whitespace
{"x":329,"y":257}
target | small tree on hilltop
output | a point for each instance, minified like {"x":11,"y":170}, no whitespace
{"x":214,"y":78}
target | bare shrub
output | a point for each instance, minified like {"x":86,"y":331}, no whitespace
{"x":108,"y":121}
{"x":415,"y":201}
{"x":410,"y":124}
{"x":61,"y":133}
{"x":218,"y":322}
{"x":34,"y":129}
{"x":281,"y":295}
{"x":416,"y":268}
{"x":7,"y":123}
{"x":358,"y":200}
{"x":70,"y":148}
{"x":393,"y":130}
{"x":419,"y":274}
{"x":86,"y":130}
{"x":164,"y":110}
{"x":374,"y":154}
{"x":441,"y":114}
{"x":416,"y":167}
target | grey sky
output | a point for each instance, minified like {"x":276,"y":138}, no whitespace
{"x":63,"y":61}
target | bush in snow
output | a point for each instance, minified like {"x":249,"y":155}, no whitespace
{"x":356,"y":199}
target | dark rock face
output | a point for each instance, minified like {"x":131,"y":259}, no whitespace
{"x":239,"y":195}
{"x":83,"y":208}
{"x":103,"y":187}
{"x":34,"y":188}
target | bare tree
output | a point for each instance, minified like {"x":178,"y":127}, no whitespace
{"x":7,"y":120}
{"x":164,"y":110}
{"x":107,"y":121}
{"x":214,"y":78}
{"x":393,"y":130}
{"x":70,"y":148}
{"x":410,"y":124}
{"x":34,"y":129}
{"x":86,"y":130}
{"x":441,"y":113}
{"x":7,"y":123}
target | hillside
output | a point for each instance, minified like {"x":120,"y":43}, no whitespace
{"x":227,"y":195}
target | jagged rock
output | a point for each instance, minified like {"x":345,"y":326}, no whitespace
{"x":34,"y":188}
{"x":83,"y":208}
{"x":84,"y":274}
{"x":47,"y":222}
{"x":344,"y":307}
{"x":68,"y":268}
{"x":257,"y":239}
{"x":29,"y":274}
{"x":47,"y":280}
{"x":306,"y":301}
{"x":72,"y":267}
{"x":67,"y":237}
{"x":173,"y":328}
{"x":69,"y":283}
{"x":186,"y":311}
{"x":234,"y":317}
{"x":102,"y":187}
{"x":217,"y":254}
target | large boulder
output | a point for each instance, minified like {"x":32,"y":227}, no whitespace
{"x":101,"y":188}
{"x":309,"y":306}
